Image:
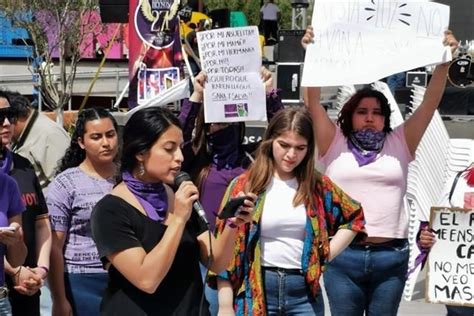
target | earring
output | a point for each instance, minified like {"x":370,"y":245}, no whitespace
{"x":141,"y":170}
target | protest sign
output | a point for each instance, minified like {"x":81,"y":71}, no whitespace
{"x":234,"y":91}
{"x":362,"y":41}
{"x":156,"y":63}
{"x":450,"y":276}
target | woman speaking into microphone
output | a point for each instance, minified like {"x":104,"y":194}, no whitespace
{"x":148,"y":237}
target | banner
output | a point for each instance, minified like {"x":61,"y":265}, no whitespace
{"x":156,"y":61}
{"x":234,"y":90}
{"x":450,"y":276}
{"x":362,"y":41}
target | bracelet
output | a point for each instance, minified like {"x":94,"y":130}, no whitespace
{"x":231,"y":224}
{"x":45,"y":268}
{"x":17,"y":272}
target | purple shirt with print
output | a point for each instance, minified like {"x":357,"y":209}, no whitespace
{"x":71,"y":197}
{"x":10,"y":205}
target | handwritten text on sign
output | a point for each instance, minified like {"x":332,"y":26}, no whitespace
{"x":451,"y":260}
{"x":362,"y":41}
{"x":232,"y":59}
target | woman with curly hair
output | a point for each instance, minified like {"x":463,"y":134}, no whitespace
{"x":85,"y":174}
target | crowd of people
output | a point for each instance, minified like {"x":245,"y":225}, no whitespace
{"x":114,"y":232}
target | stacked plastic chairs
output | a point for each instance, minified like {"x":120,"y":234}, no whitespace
{"x":437,"y":158}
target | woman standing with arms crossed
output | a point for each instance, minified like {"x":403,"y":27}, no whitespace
{"x":77,"y":279}
{"x":279,"y":256}
{"x":148,"y":237}
{"x":370,"y":162}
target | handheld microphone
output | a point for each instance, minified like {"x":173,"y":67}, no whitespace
{"x":180,"y":178}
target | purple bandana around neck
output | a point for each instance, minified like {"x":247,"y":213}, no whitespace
{"x":224,"y":145}
{"x":152,"y":196}
{"x":6,"y":161}
{"x":365,"y":145}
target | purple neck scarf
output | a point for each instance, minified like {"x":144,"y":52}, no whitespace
{"x":152,"y":196}
{"x":365,"y":145}
{"x":224,"y":145}
{"x":6,"y":161}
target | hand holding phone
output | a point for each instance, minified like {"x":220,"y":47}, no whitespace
{"x":231,"y":207}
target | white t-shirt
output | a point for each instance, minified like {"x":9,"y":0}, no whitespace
{"x":282,"y":226}
{"x":270,"y":11}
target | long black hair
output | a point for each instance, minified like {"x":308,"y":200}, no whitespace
{"x":142,"y":130}
{"x":75,"y":155}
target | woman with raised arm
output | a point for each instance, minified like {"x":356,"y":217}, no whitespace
{"x":370,"y":161}
{"x":86,"y":173}
{"x":279,"y":256}
{"x":148,"y":237}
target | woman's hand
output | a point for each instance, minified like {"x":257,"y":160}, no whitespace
{"x":184,"y":198}
{"x":308,"y":37}
{"x":244,"y":213}
{"x":27,"y":282}
{"x":427,"y":239}
{"x":11,"y":237}
{"x":198,"y":84}
{"x":267,"y":79}
{"x":451,"y":41}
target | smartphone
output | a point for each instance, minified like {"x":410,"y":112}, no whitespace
{"x":10,"y":228}
{"x":231,"y":207}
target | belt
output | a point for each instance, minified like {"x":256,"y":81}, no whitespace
{"x":283,"y":270}
{"x":3,"y":292}
{"x":390,"y":243}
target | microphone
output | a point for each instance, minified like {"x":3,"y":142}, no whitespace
{"x":180,"y":178}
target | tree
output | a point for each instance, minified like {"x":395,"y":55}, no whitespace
{"x":56,"y":29}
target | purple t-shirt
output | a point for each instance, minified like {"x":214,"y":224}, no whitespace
{"x":10,"y":205}
{"x":71,"y":197}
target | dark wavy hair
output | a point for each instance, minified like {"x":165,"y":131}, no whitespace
{"x":142,"y":130}
{"x":344,"y":119}
{"x":75,"y":155}
{"x":20,"y":104}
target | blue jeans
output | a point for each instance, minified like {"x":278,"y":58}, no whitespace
{"x":459,"y":310}
{"x":5,"y":308}
{"x":367,"y":278}
{"x":84,"y":292}
{"x":211,"y":295}
{"x":288,"y":294}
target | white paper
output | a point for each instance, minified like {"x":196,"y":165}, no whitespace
{"x":234,"y":91}
{"x":362,"y":41}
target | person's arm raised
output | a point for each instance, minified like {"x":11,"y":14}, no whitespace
{"x":324,"y":129}
{"x":417,"y":124}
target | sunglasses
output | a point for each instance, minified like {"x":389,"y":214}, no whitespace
{"x":7,"y":113}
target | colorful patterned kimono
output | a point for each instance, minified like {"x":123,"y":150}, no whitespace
{"x":334,"y":210}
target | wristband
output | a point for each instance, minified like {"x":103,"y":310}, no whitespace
{"x":45,"y":268}
{"x":230,"y":224}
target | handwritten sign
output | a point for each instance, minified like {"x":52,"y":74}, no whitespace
{"x":362,"y":41}
{"x":234,"y":91}
{"x":450,"y":278}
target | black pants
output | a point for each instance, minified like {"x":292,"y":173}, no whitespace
{"x":270,"y":28}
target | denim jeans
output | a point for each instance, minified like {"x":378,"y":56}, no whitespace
{"x":85,"y":291}
{"x":5,"y":308}
{"x":288,"y":294}
{"x":460,"y":310}
{"x":211,"y":294}
{"x":367,"y":278}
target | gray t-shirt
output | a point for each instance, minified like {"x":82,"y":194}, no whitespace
{"x":71,"y":197}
